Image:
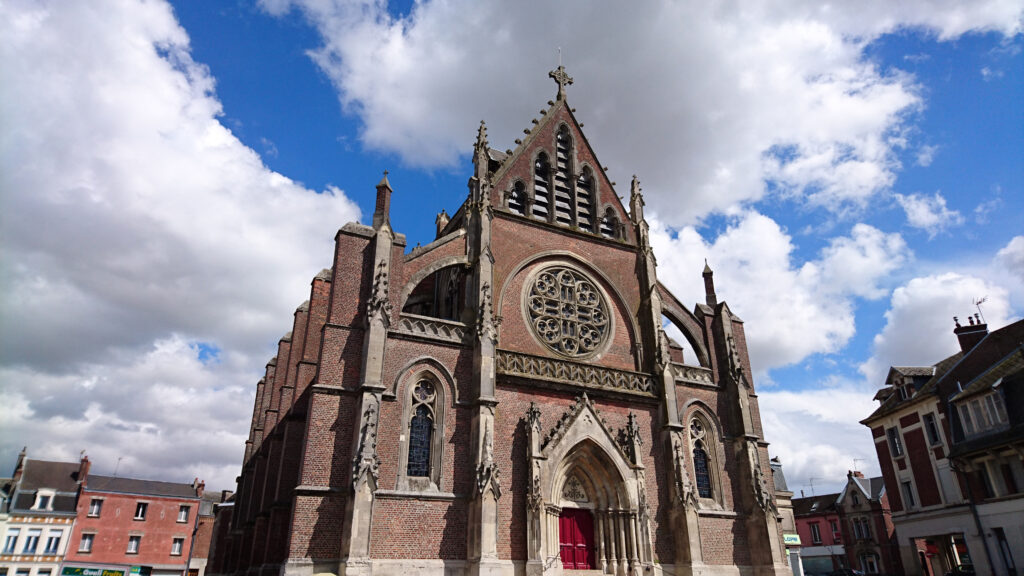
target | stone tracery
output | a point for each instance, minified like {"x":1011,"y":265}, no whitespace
{"x":567,"y":312}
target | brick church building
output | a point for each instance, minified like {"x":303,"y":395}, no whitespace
{"x":506,"y":399}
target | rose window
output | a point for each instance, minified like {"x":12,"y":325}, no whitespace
{"x":568,"y":312}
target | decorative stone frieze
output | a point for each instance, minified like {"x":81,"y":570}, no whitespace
{"x":698,"y":375}
{"x":574,"y":373}
{"x":432,"y":328}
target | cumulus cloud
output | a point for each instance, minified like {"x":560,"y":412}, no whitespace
{"x":136,"y":236}
{"x":926,"y":306}
{"x":929,"y":213}
{"x":791,"y":309}
{"x":749,"y":94}
{"x":1011,"y":257}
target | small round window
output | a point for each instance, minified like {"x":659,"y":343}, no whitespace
{"x":567,"y":311}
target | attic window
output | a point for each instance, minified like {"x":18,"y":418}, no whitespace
{"x":541,"y":185}
{"x":904,"y":394}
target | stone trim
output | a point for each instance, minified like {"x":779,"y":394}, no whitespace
{"x":688,"y":375}
{"x":418,"y":495}
{"x":575,"y":374}
{"x":431,"y":328}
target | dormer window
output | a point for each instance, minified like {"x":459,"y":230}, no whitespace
{"x":983,"y":414}
{"x":903,"y":392}
{"x":44,"y":501}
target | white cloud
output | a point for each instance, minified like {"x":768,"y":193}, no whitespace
{"x":791,"y":310}
{"x":929,"y":213}
{"x":926,"y":155}
{"x":748,"y":93}
{"x":919,"y":322}
{"x":136,"y":226}
{"x":1011,"y":257}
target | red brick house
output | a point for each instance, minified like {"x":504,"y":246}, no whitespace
{"x":821,"y":535}
{"x":506,"y":399}
{"x":866,"y":521}
{"x":124,"y":523}
{"x":950,"y":442}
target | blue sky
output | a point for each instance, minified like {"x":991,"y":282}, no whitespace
{"x":173,"y":174}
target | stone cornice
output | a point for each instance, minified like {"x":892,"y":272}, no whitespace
{"x":575,"y":374}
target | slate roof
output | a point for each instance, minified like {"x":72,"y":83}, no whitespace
{"x":893,"y":402}
{"x":814,"y":504}
{"x":61,"y":477}
{"x":1010,"y":365}
{"x":871,"y":486}
{"x":98,"y":483}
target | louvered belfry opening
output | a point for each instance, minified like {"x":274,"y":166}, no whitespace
{"x":563,"y":177}
{"x":516,"y":200}
{"x":608,"y":224}
{"x":584,"y":200}
{"x":541,"y":187}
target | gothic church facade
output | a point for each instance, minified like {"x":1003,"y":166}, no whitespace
{"x":505,"y":400}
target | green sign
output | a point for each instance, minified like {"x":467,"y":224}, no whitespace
{"x":78,"y":571}
{"x":791,"y":539}
{"x":141,"y":570}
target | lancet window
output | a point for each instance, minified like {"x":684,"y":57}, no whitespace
{"x":563,"y":177}
{"x":421,"y":428}
{"x":517,"y":198}
{"x":584,"y":200}
{"x":541,"y":187}
{"x":703,"y":446}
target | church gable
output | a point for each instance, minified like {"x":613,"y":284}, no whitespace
{"x":554,"y":177}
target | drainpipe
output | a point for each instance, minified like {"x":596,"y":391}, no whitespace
{"x":192,"y":541}
{"x":977,"y":517}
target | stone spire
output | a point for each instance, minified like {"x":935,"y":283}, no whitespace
{"x":709,"y":286}
{"x":636,"y":201}
{"x":382,"y":211}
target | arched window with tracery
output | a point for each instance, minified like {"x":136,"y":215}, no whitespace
{"x":541,"y":186}
{"x":421,"y":429}
{"x":705,"y":455}
{"x":517,"y":198}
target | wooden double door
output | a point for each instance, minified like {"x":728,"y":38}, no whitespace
{"x":576,"y":539}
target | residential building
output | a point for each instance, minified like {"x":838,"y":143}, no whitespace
{"x":203,"y":533}
{"x":507,"y":398}
{"x":950,"y":442}
{"x":126,"y":525}
{"x":821,"y":537}
{"x":784,"y":502}
{"x":39,"y":515}
{"x":868,"y":531}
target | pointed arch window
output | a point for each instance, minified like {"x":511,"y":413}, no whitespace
{"x":705,"y":456}
{"x":563,"y":177}
{"x":585,"y":200}
{"x":421,"y":429}
{"x":609,"y":224}
{"x":422,"y":438}
{"x":541,"y":186}
{"x":517,"y":198}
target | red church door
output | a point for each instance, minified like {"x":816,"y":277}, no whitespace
{"x":576,"y":539}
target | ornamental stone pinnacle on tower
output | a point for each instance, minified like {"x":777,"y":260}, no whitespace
{"x":507,"y":399}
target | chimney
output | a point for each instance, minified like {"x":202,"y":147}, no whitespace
{"x":709,"y":286}
{"x":83,"y":469}
{"x":382,"y":212}
{"x":442,"y":221}
{"x":199,"y":487}
{"x":19,"y":468}
{"x":855,"y":473}
{"x":970,"y":335}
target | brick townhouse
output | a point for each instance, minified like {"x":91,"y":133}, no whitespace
{"x":507,"y":399}
{"x":130,"y":526}
{"x":950,"y":442}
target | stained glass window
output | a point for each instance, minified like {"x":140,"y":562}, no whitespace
{"x":700,"y":469}
{"x":421,"y":429}
{"x":568,"y":312}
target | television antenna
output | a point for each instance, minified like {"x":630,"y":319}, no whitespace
{"x":855,"y":460}
{"x":977,"y":303}
{"x":810,"y":482}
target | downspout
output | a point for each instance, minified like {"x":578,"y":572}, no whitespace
{"x":974,"y":513}
{"x":192,"y":542}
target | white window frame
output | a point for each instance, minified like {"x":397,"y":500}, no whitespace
{"x":11,"y":542}
{"x":815,"y":533}
{"x":895,"y":442}
{"x":32,"y":538}
{"x":53,"y":536}
{"x":183,"y":511}
{"x":177,"y":545}
{"x":134,"y":543}
{"x":85,"y":544}
{"x":141,"y":508}
{"x":39,"y":504}
{"x":95,"y":508}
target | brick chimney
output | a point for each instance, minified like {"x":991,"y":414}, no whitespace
{"x":83,"y":469}
{"x":854,"y":474}
{"x":199,"y":487}
{"x":970,"y":335}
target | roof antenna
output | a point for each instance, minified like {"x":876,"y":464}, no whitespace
{"x":119,"y":458}
{"x":810,"y":481}
{"x":855,"y":460}
{"x":977,"y":303}
{"x":559,"y":55}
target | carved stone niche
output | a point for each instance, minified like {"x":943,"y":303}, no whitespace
{"x":579,"y":464}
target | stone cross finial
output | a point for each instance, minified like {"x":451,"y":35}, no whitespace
{"x":562,"y":79}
